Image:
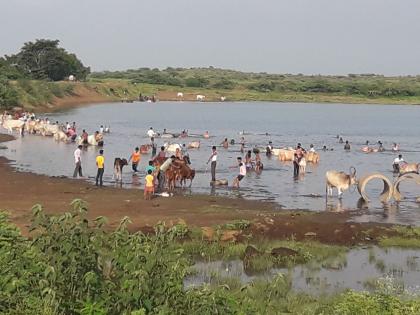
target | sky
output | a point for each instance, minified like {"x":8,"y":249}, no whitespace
{"x":275,"y":36}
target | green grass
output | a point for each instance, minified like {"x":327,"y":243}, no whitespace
{"x":406,"y":237}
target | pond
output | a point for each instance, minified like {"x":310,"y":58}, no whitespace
{"x":282,"y":123}
{"x":360,"y":269}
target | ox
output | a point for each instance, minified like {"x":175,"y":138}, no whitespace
{"x":14,"y":124}
{"x":286,"y":155}
{"x":172,"y":147}
{"x":119,"y":164}
{"x":180,"y":94}
{"x":61,"y":136}
{"x":194,"y":145}
{"x":409,"y":168}
{"x":92,"y":140}
{"x":201,"y":98}
{"x":340,"y":180}
{"x":312,"y":157}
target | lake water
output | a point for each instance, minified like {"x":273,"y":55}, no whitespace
{"x":360,"y":269}
{"x":285,"y":124}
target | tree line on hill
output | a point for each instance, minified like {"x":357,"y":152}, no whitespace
{"x":42,"y":59}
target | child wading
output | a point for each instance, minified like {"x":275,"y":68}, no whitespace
{"x":149,"y":188}
{"x":100,"y":161}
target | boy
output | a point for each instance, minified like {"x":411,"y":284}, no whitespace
{"x":100,"y":161}
{"x":149,"y":188}
{"x":242,"y":173}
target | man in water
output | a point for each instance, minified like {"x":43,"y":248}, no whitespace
{"x":78,"y":162}
{"x":242,"y":173}
{"x":185,"y":154}
{"x":347,"y":146}
{"x":153,"y":144}
{"x":85,"y":137}
{"x":311,"y":148}
{"x":150,"y":133}
{"x":242,"y":142}
{"x":100,"y":161}
{"x":296,"y":161}
{"x":225,"y":143}
{"x":135,"y":158}
{"x":396,"y":164}
{"x":213,"y":159}
{"x":269,"y":149}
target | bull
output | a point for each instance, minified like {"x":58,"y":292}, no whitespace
{"x":340,"y":180}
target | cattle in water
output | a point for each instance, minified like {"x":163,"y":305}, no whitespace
{"x":201,"y":98}
{"x":340,"y":180}
{"x":180,"y":95}
{"x":119,"y":164}
{"x":13,"y":124}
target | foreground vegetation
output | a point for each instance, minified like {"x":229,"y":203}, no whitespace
{"x":71,"y":265}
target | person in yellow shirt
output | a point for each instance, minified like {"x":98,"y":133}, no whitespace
{"x":135,"y":158}
{"x":100,"y":161}
{"x":149,"y":188}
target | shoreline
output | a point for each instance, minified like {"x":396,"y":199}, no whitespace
{"x":84,"y":93}
{"x":20,"y":191}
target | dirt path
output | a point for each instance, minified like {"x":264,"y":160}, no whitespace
{"x":19,"y":191}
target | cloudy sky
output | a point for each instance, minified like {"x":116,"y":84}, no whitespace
{"x":277,"y":36}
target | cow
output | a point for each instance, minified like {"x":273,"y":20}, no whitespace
{"x":312,"y":157}
{"x":14,"y":124}
{"x":119,"y":164}
{"x":201,"y":98}
{"x":286,"y":155}
{"x":222,"y":98}
{"x":185,"y":172}
{"x":194,"y":145}
{"x":172,"y":147}
{"x":49,"y":130}
{"x":61,"y":136}
{"x":340,"y":180}
{"x":409,"y":168}
{"x":180,"y":94}
{"x":96,"y":140}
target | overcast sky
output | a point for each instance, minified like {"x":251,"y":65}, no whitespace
{"x":277,"y":36}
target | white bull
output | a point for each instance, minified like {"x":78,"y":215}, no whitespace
{"x":180,"y":94}
{"x":194,"y":145}
{"x":91,"y":140}
{"x":61,"y":136}
{"x":340,"y":180}
{"x":49,"y":130}
{"x":172,"y":147}
{"x":13,"y":124}
{"x":201,"y":97}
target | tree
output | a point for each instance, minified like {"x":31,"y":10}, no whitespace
{"x":43,"y":59}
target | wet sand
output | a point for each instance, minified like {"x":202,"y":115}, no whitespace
{"x":19,"y":191}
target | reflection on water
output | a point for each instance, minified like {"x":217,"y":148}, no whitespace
{"x":359,"y":270}
{"x":285,"y":124}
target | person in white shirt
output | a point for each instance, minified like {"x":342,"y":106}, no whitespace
{"x":78,"y":162}
{"x":213,"y":159}
{"x":396,"y":164}
{"x":242,"y":173}
{"x":150,"y":133}
{"x":311,"y":148}
{"x":101,"y":129}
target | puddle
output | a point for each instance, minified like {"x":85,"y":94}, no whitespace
{"x":359,"y":270}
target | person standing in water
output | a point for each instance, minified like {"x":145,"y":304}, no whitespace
{"x":135,"y":158}
{"x":347,"y":146}
{"x":154,"y":147}
{"x":242,"y":142}
{"x":242,"y":173}
{"x":225,"y":143}
{"x":213,"y":160}
{"x":396,"y":164}
{"x":100,"y":161}
{"x":78,"y":162}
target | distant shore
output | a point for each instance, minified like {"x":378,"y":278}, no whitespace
{"x":66,"y":95}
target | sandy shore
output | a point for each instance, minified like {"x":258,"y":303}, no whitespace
{"x":20,"y":191}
